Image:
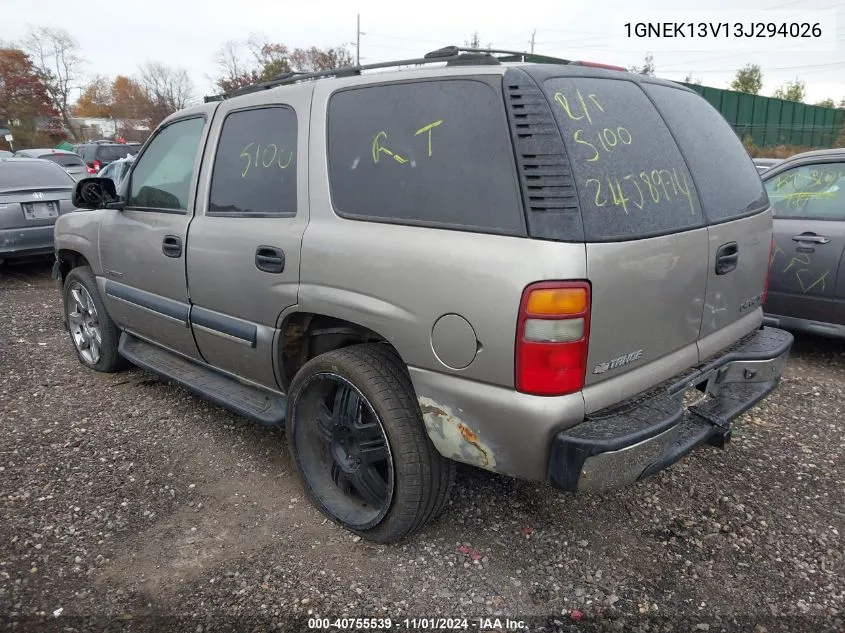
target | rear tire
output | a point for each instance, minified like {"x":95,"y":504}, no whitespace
{"x":94,"y":334}
{"x":358,"y":442}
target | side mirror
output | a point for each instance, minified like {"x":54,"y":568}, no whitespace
{"x":94,"y":193}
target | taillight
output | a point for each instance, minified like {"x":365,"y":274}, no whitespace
{"x":552,"y":335}
{"x":768,"y":273}
{"x":90,"y":169}
{"x":96,"y":166}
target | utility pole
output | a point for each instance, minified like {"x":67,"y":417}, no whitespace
{"x":533,"y":33}
{"x":358,"y":43}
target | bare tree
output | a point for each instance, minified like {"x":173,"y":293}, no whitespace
{"x":167,"y":89}
{"x":55,"y":54}
{"x":647,"y":68}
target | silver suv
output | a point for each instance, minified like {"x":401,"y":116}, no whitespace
{"x":553,"y":271}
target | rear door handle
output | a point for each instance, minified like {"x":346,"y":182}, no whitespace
{"x":727,"y":257}
{"x":270,"y":259}
{"x":811,"y":237}
{"x":171,"y":245}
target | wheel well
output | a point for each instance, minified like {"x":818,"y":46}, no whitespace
{"x":306,"y":335}
{"x":68,"y":260}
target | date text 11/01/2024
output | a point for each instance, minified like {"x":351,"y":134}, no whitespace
{"x":417,"y":624}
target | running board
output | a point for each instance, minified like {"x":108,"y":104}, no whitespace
{"x":251,"y":402}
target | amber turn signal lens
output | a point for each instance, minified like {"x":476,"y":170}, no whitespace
{"x":557,"y":301}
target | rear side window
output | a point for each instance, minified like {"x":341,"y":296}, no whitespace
{"x":255,"y":165}
{"x":64,"y":160}
{"x":810,"y":192}
{"x":434,"y":153}
{"x":727,"y":181}
{"x":632,"y":180}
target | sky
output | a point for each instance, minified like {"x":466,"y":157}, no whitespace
{"x":120,"y":35}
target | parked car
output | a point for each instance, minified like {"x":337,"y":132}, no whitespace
{"x":68,"y":161}
{"x":33,"y":193}
{"x":764,"y":164}
{"x":117,"y":170}
{"x":400,"y":268}
{"x":6,"y":154}
{"x":99,"y":154}
{"x":807,"y":288}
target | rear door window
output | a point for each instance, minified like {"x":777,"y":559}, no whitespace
{"x":434,"y":153}
{"x":632,"y":180}
{"x":725,"y":176}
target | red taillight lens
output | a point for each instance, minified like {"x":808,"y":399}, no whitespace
{"x":553,"y":331}
{"x":768,"y":273}
{"x":96,"y":166}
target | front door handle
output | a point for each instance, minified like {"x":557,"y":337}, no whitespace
{"x":727,"y":257}
{"x":171,"y":246}
{"x":270,"y":259}
{"x":811,"y":237}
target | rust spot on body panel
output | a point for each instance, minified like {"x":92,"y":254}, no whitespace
{"x":454,"y":438}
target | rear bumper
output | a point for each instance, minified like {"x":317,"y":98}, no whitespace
{"x":641,"y":437}
{"x":26,"y":241}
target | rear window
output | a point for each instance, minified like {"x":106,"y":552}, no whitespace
{"x":434,"y":153}
{"x":632,"y":180}
{"x":24,"y":174}
{"x":727,"y":180}
{"x":64,"y":160}
{"x":114,"y":152}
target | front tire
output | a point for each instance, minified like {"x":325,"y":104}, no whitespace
{"x":94,"y":334}
{"x":359,"y":444}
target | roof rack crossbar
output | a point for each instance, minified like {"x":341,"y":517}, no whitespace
{"x":445,"y":54}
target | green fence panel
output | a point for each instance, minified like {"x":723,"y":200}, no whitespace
{"x":785,"y":122}
{"x":714,"y":97}
{"x":807,"y":126}
{"x":772,"y":121}
{"x":745,"y":115}
{"x":760,"y":119}
{"x":820,"y":133}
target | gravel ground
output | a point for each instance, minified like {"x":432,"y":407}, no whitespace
{"x":129,"y":504}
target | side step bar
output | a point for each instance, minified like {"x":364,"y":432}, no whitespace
{"x":261,"y":406}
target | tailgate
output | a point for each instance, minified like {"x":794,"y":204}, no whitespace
{"x":645,"y":234}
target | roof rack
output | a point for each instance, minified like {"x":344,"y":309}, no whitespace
{"x":452,"y":55}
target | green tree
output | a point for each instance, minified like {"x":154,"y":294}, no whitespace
{"x":689,"y":79}
{"x":748,"y":79}
{"x":827,"y":103}
{"x":647,"y":68}
{"x":792,"y":91}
